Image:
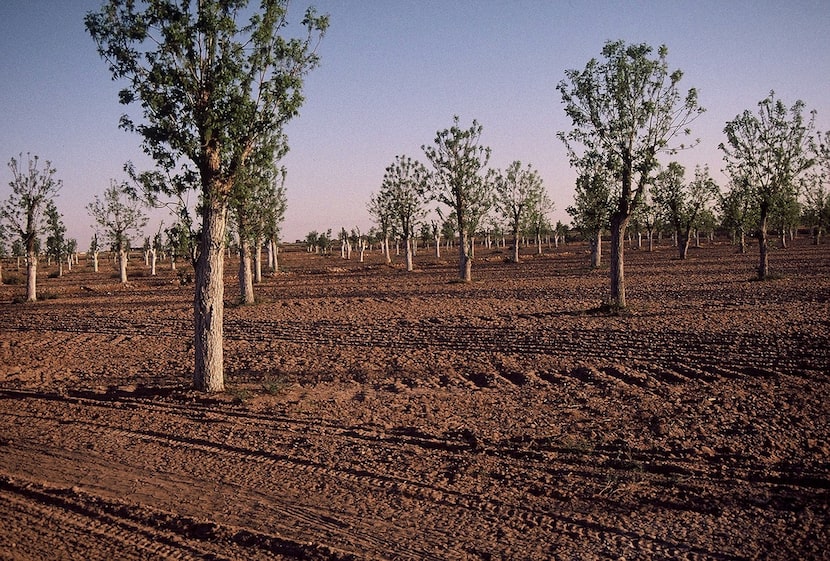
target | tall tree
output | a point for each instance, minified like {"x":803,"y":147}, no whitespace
{"x":518,"y":192}
{"x":402,"y":191}
{"x":120,"y":216}
{"x":459,"y":182}
{"x":817,"y":188}
{"x":682,"y":204}
{"x":627,"y":108}
{"x":768,"y":152}
{"x":211,"y":89}
{"x":33,"y":187}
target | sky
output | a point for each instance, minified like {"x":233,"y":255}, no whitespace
{"x":394,"y":72}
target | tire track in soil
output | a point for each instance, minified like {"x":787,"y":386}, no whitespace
{"x":462,"y":506}
{"x":668,"y":355}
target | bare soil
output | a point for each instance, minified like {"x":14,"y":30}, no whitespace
{"x":373,"y":413}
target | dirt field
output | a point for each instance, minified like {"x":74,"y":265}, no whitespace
{"x":376,"y":414}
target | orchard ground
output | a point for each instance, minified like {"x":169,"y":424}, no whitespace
{"x":372,"y":413}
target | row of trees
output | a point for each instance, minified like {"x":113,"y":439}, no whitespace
{"x":627,"y":109}
{"x":460,"y":181}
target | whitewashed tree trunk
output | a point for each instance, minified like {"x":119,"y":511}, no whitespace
{"x":258,"y":261}
{"x":122,"y":265}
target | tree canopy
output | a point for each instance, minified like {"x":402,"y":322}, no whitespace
{"x":210,"y":89}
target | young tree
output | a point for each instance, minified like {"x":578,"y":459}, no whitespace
{"x":518,"y":191}
{"x":592,"y":201}
{"x":55,"y":236}
{"x":768,"y":152}
{"x":816,"y":186}
{"x":459,"y":182}
{"x":211,"y":89}
{"x":737,"y":211}
{"x":682,"y":204}
{"x":379,"y":210}
{"x":119,"y":216}
{"x":627,"y":108}
{"x":33,"y":188}
{"x":402,"y":191}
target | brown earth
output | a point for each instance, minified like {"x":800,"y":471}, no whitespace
{"x":373,"y":413}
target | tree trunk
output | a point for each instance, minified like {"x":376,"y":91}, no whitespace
{"x":258,"y":261}
{"x":743,"y":241}
{"x":650,"y":236}
{"x":386,"y":253}
{"x":438,"y":247}
{"x":465,"y":263}
{"x":31,"y":276}
{"x":275,"y":253}
{"x":515,"y":257}
{"x":246,"y":279}
{"x":153,"y":259}
{"x":408,"y":251}
{"x":618,"y":225}
{"x":596,"y":251}
{"x":208,"y":304}
{"x":763,"y":246}
{"x":683,"y":241}
{"x":122,"y":265}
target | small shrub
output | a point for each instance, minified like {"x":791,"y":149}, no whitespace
{"x":274,"y":386}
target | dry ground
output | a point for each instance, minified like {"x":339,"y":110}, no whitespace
{"x":376,"y":414}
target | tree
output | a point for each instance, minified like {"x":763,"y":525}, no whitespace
{"x":23,"y":212}
{"x":682,"y":205}
{"x":119,"y":215}
{"x":380,"y":212}
{"x":459,"y":182}
{"x":518,"y":191}
{"x":402,"y":192}
{"x":768,"y":152}
{"x":627,"y":108}
{"x":210,"y":90}
{"x":592,"y":201}
{"x":738,"y":211}
{"x":816,"y":187}
{"x":56,"y":243}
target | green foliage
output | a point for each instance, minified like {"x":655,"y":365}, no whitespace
{"x":816,"y":187}
{"x":626,"y":109}
{"x":56,"y":246}
{"x":33,"y":188}
{"x":519,"y":196}
{"x":459,"y":181}
{"x":766,"y":155}
{"x":683,"y":204}
{"x":118,"y":214}
{"x":402,"y":193}
{"x":592,"y":196}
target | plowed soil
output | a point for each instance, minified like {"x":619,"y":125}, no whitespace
{"x":373,"y":413}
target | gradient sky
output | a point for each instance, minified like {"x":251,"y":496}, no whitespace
{"x":394,"y":72}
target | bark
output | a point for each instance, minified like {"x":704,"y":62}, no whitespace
{"x":515,"y":257}
{"x":683,"y":241}
{"x":258,"y":261}
{"x":618,"y":226}
{"x":122,"y":265}
{"x":246,"y":278}
{"x":153,"y":259}
{"x":596,"y":251}
{"x":438,"y":247}
{"x":408,"y":251}
{"x":763,"y":246}
{"x":31,"y":276}
{"x":465,"y":263}
{"x":275,"y":253}
{"x":95,"y":261}
{"x":208,"y":304}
